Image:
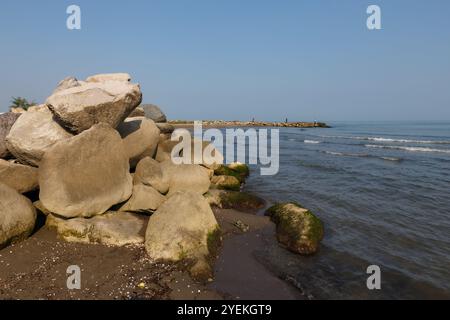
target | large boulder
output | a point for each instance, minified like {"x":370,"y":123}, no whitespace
{"x":241,"y":201}
{"x":79,"y":108}
{"x":154,"y":113}
{"x":145,"y":199}
{"x":121,"y":77}
{"x":238,"y":170}
{"x":165,"y":127}
{"x":149,"y":172}
{"x":17,"y":216}
{"x":183,"y":227}
{"x":6,"y":122}
{"x":33,"y":134}
{"x":138,"y":112}
{"x":140,"y":136}
{"x":37,"y":108}
{"x":111,"y":228}
{"x":208,"y":156}
{"x":67,"y":83}
{"x":164,"y":150}
{"x":19,"y":177}
{"x":85,"y":175}
{"x":297,"y":228}
{"x":184,"y":177}
{"x":226,"y":183}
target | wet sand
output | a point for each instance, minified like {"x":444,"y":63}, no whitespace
{"x":36,"y":268}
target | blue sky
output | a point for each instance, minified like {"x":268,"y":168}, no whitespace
{"x":230,"y":59}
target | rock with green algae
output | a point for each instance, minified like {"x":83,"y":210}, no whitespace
{"x":112,"y":228}
{"x":297,"y":228}
{"x":225,"y":183}
{"x":238,"y":170}
{"x":241,"y":201}
{"x":184,"y":229}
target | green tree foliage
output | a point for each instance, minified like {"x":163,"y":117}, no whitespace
{"x":18,"y":102}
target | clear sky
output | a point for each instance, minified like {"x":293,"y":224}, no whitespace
{"x":236,"y":59}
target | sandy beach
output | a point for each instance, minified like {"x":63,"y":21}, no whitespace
{"x":36,"y":268}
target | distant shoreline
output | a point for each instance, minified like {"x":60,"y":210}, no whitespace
{"x":223,"y":123}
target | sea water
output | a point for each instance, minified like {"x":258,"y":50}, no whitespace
{"x":383,"y":193}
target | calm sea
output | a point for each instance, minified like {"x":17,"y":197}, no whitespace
{"x":383,"y":192}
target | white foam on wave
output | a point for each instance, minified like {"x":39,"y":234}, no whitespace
{"x":312,"y":141}
{"x":335,"y":153}
{"x":383,"y":139}
{"x":411,"y":149}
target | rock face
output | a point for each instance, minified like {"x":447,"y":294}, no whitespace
{"x":17,"y":216}
{"x":154,"y":113}
{"x":145,"y":199}
{"x":79,"y":108}
{"x":85,"y":175}
{"x":182,"y":228}
{"x":140,"y":136}
{"x":33,"y":134}
{"x":67,"y":83}
{"x":121,"y":77}
{"x":297,"y":228}
{"x":185,"y":177}
{"x":226,"y":183}
{"x":112,"y":228}
{"x":19,"y":177}
{"x":149,"y":173}
{"x":6,"y":122}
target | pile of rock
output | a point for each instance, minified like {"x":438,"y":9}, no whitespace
{"x":104,"y":173}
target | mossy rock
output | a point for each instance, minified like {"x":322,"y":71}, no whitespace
{"x":297,"y":228}
{"x":238,"y":170}
{"x":241,"y":201}
{"x":226,"y":183}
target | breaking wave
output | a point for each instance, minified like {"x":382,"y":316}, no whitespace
{"x":411,"y":149}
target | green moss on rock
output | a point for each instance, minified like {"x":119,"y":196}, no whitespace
{"x":241,"y":201}
{"x":237,"y":170}
{"x":297,"y":228}
{"x":226,"y":183}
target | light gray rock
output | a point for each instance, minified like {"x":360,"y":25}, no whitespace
{"x":19,"y":177}
{"x":6,"y":122}
{"x":148,"y":172}
{"x":111,"y":228}
{"x":79,"y":108}
{"x":145,"y":199}
{"x":183,"y":227}
{"x":140,"y":136}
{"x":33,"y":134}
{"x":121,"y":77}
{"x":185,"y":177}
{"x":154,"y":112}
{"x":17,"y":216}
{"x":67,"y":83}
{"x":85,"y":175}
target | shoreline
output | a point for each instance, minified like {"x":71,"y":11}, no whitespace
{"x":224,"y":124}
{"x":117,"y":272}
